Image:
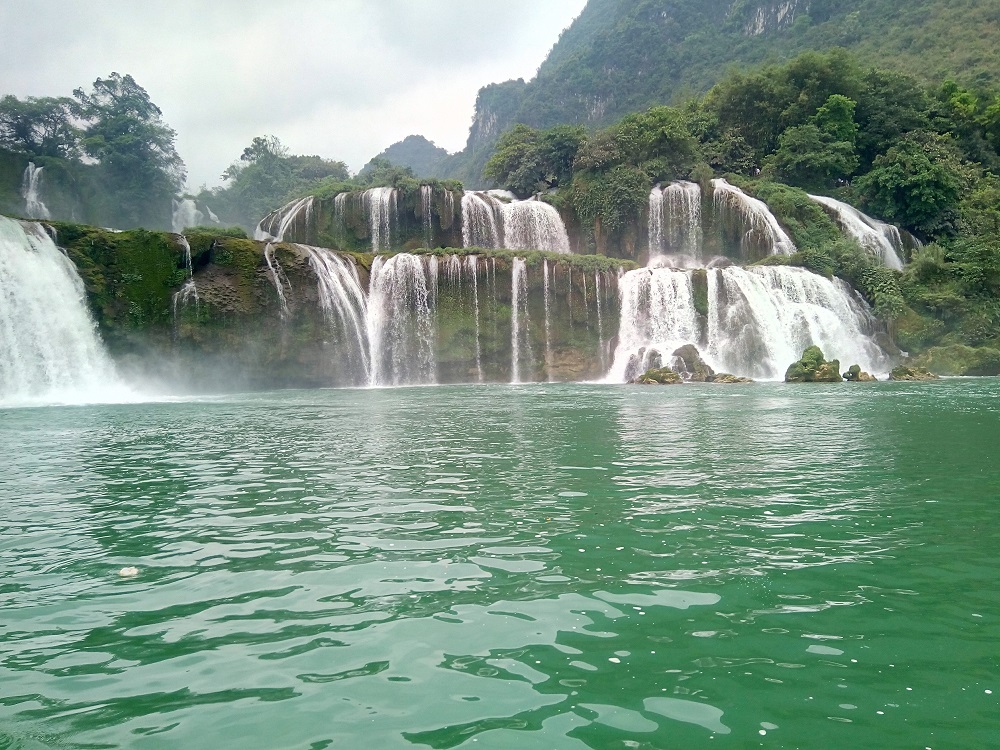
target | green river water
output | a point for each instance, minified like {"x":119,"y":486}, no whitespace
{"x":549,"y":566}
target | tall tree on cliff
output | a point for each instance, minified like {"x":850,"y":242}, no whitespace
{"x":140,"y":168}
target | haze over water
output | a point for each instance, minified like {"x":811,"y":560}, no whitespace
{"x":550,"y":566}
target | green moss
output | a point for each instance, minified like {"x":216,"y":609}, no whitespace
{"x":960,"y":360}
{"x":813,"y":368}
{"x":699,"y":290}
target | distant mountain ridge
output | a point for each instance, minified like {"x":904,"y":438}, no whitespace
{"x":622,"y":56}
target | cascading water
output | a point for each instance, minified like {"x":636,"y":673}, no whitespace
{"x":400,"y":322}
{"x":278,"y":278}
{"x":31,"y":192}
{"x":759,"y":321}
{"x":519,"y":318}
{"x":882,"y":240}
{"x":49,"y":347}
{"x":675,"y":220}
{"x":189,"y":291}
{"x":482,"y":217}
{"x":186,"y":214}
{"x":427,"y":213}
{"x":547,"y":292}
{"x":761,"y":234}
{"x":345,"y":308}
{"x":472,"y":262}
{"x":534,"y":225}
{"x":274,"y":226}
{"x":380,"y":205}
{"x":598,"y":293}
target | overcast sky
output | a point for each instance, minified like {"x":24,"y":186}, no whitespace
{"x":340,"y":78}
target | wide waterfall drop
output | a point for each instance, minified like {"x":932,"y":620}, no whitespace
{"x":297,"y":214}
{"x":50,"y":351}
{"x":482,"y":217}
{"x":345,"y":309}
{"x":759,"y":230}
{"x":534,"y":225}
{"x":657,"y":316}
{"x":400,"y":323}
{"x":881,"y":240}
{"x":761,"y":319}
{"x":520,"y":346}
{"x":185,"y":214}
{"x":31,"y":192}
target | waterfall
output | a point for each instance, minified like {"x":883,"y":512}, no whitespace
{"x":273,"y":227}
{"x":519,"y":325}
{"x":30,"y":191}
{"x":759,"y":321}
{"x":881,"y":240}
{"x":547,"y":292}
{"x":189,"y":290}
{"x":473,"y":263}
{"x":49,"y":347}
{"x":657,"y":315}
{"x":278,"y":278}
{"x":598,"y":290}
{"x":534,"y":225}
{"x":675,"y":220}
{"x":400,"y":322}
{"x":427,"y":213}
{"x":344,"y":307}
{"x":380,"y":205}
{"x":453,"y":272}
{"x":761,"y":233}
{"x":186,"y":214}
{"x":482,"y":217}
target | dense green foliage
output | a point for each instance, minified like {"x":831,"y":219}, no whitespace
{"x":109,"y":153}
{"x":413,"y":152}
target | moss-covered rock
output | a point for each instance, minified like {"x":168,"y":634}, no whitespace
{"x":726,"y":378}
{"x":659,"y":376}
{"x":855,"y":374}
{"x":813,"y":368}
{"x":688,"y":363}
{"x":911,"y":373}
{"x":960,"y":360}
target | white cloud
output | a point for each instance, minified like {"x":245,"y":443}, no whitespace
{"x":339,"y":78}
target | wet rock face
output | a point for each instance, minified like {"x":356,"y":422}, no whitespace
{"x":911,"y":373}
{"x":813,"y":368}
{"x":725,"y":378}
{"x":687,"y":362}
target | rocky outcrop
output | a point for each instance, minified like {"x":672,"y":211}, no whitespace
{"x":813,"y":368}
{"x":855,"y":374}
{"x":911,"y":373}
{"x":687,"y":362}
{"x":725,"y":378}
{"x":960,"y":360}
{"x":659,"y":376}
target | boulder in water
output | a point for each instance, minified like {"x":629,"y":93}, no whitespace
{"x":658,"y":376}
{"x":911,"y":373}
{"x":688,"y":362}
{"x":813,"y":368}
{"x":727,"y":378}
{"x":855,"y":374}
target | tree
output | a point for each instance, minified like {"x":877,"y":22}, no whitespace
{"x":820,"y":152}
{"x":528,"y":161}
{"x":917,"y":183}
{"x":125,"y":133}
{"x":39,"y":127}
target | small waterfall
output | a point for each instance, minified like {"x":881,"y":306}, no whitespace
{"x":881,"y":240}
{"x":598,"y":293}
{"x":656,"y":220}
{"x":427,"y":213}
{"x":761,"y":319}
{"x":189,"y":291}
{"x":274,"y":226}
{"x":547,"y":292}
{"x":762,"y":235}
{"x":400,"y":322}
{"x":482,"y":218}
{"x":344,"y":306}
{"x":519,"y":326}
{"x":453,"y":272}
{"x":31,"y":192}
{"x":657,"y":316}
{"x":212,"y":217}
{"x":186,"y":214}
{"x":472,"y":262}
{"x":278,"y":278}
{"x":49,"y":347}
{"x":534,"y":225}
{"x":380,"y":205}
